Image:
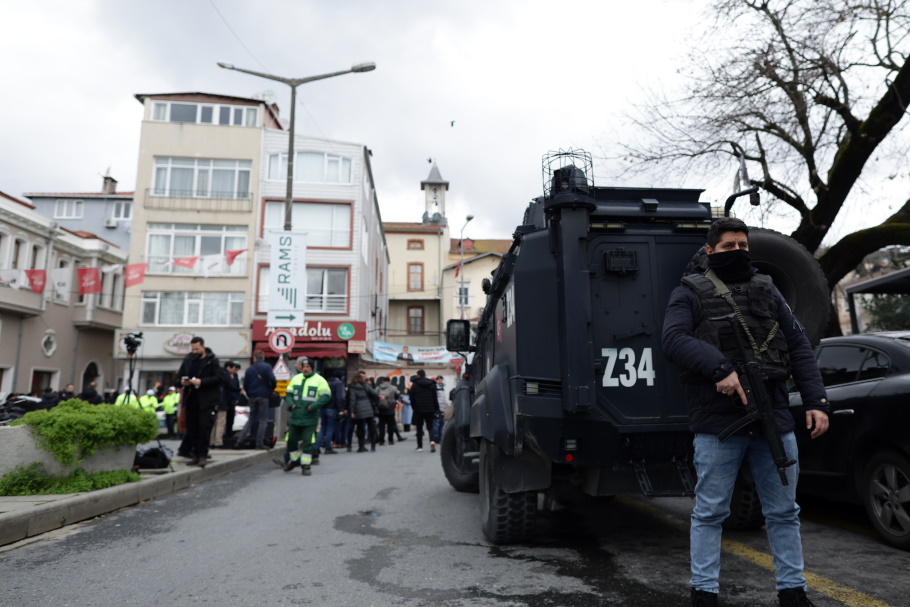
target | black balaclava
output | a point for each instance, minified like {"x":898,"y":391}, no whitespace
{"x":732,"y":266}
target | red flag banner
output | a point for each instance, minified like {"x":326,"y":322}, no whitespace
{"x":135,"y":274}
{"x":37,"y":279}
{"x":185,"y":262}
{"x":89,"y":280}
{"x":230,"y":256}
{"x":457,"y":269}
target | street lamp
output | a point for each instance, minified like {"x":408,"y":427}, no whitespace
{"x":461,"y":263}
{"x":294,"y":83}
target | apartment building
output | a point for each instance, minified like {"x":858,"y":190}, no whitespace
{"x":61,"y":297}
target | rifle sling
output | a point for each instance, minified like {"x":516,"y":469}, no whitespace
{"x":722,"y":290}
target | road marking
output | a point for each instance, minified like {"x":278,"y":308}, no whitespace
{"x":847,"y":596}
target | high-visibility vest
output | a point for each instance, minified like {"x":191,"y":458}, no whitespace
{"x":121,"y":400}
{"x":170,"y":402}
{"x":148,"y":402}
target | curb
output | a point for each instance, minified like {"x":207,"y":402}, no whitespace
{"x":21,"y":524}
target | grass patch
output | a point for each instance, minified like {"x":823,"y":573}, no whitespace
{"x":75,"y":429}
{"x":32,"y":480}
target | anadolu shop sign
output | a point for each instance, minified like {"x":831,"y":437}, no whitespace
{"x":315,"y":331}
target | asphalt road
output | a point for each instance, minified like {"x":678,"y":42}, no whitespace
{"x":385,"y":529}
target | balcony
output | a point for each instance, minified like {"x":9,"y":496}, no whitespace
{"x":20,"y":301}
{"x":97,"y":318}
{"x":189,"y":200}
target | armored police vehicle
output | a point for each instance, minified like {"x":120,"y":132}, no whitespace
{"x":568,"y":391}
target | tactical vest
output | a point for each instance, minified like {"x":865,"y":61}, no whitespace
{"x":756,"y":303}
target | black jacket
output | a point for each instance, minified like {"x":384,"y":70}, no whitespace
{"x":423,"y":395}
{"x":362,"y":401}
{"x":208,"y":394}
{"x":230,"y":391}
{"x":337,"y":403}
{"x":710,"y":412}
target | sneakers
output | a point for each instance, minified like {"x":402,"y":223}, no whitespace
{"x":329,"y":452}
{"x":291,"y":465}
{"x":361,"y":449}
{"x":794,"y":597}
{"x":278,"y":462}
{"x":419,"y":449}
{"x":432,"y":447}
{"x":702,"y":598}
{"x":306,"y":471}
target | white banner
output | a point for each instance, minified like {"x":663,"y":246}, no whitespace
{"x":62,"y":278}
{"x":12,"y":278}
{"x":287,"y":279}
{"x":212,"y":264}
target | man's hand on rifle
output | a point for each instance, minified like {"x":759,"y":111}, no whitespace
{"x":819,"y":419}
{"x":730,"y":385}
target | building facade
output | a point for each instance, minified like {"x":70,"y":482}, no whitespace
{"x":54,"y":332}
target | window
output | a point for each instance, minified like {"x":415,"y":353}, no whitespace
{"x":169,"y":241}
{"x":36,"y":258}
{"x":16,"y":257}
{"x":415,"y":320}
{"x":117,"y":291}
{"x":205,"y":113}
{"x":327,"y":225}
{"x":68,"y":209}
{"x":123,"y":210}
{"x":464,"y":294}
{"x":177,"y":308}
{"x":415,"y":277}
{"x":313,"y":167}
{"x":62,"y":295}
{"x":845,"y":364}
{"x":415,"y":244}
{"x":327,"y":290}
{"x":202,"y":178}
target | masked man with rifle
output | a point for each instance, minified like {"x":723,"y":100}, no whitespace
{"x":725,"y":327}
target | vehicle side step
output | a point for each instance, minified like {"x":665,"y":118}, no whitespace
{"x":685,"y":476}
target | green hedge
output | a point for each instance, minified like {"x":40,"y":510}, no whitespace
{"x":32,"y":480}
{"x":75,"y":429}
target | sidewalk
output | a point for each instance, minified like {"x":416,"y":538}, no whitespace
{"x":22,"y":517}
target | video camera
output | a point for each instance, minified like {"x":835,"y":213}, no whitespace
{"x":132,"y":341}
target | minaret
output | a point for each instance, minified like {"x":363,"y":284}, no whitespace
{"x":435,"y":188}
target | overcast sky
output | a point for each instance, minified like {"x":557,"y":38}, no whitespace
{"x":517,"y":78}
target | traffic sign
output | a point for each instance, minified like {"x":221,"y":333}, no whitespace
{"x":281,"y":370}
{"x":281,"y":341}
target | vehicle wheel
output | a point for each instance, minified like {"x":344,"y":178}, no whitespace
{"x":795,"y":273}
{"x":461,"y":473}
{"x":886,"y":496}
{"x":745,"y":507}
{"x":506,"y":518}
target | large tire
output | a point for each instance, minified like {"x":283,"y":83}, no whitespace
{"x":795,"y":273}
{"x":885,"y":491}
{"x":462,"y":473}
{"x":745,"y":506}
{"x":506,"y":518}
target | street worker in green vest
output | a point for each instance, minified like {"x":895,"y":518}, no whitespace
{"x":169,"y":404}
{"x":122,"y":400}
{"x":307,"y":393}
{"x":148,"y":401}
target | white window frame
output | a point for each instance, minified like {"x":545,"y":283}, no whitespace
{"x":67,"y":208}
{"x":159,"y":263}
{"x":342,"y":173}
{"x":203,"y":171}
{"x":248,"y":116}
{"x":463,"y":293}
{"x":337,"y":235}
{"x":194,"y":303}
{"x":117,"y":212}
{"x":316,"y":303}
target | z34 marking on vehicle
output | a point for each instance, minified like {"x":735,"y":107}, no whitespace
{"x":629,"y":375}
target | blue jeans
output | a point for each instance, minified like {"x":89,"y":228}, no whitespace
{"x":717,"y":464}
{"x":326,"y":428}
{"x":259,"y":417}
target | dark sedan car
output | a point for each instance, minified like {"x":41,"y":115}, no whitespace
{"x":865,"y":455}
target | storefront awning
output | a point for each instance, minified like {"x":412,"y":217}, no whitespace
{"x":311,"y":349}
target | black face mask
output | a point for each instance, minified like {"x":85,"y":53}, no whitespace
{"x":732,"y":266}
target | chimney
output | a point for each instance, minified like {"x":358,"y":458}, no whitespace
{"x":110,"y":185}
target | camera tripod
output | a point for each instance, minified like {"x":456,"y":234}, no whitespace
{"x":132,"y":343}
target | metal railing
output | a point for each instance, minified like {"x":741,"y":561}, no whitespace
{"x":190,"y":200}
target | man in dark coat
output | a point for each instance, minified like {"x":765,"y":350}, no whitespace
{"x":201,"y":377}
{"x":258,"y":383}
{"x":90,"y":394}
{"x":698,"y":336}
{"x":425,"y":405}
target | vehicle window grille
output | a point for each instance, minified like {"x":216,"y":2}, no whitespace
{"x":537,"y":387}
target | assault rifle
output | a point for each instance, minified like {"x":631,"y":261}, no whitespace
{"x":758,"y":405}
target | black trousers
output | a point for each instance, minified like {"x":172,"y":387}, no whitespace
{"x":420,"y":420}
{"x":388,"y":425}
{"x":198,"y":428}
{"x":359,"y":425}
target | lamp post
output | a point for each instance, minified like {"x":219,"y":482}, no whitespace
{"x":461,"y":263}
{"x":294,"y":83}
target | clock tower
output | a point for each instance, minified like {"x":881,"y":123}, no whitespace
{"x":434,"y":187}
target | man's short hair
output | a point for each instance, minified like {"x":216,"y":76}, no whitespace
{"x":382,"y":379}
{"x":361,"y":372}
{"x":258,"y":355}
{"x":723,"y":225}
{"x":421,"y":373}
{"x":230,"y":364}
{"x":198,"y":340}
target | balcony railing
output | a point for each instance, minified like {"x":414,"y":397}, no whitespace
{"x":193,"y":200}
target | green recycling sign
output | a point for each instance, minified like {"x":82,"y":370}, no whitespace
{"x":345,"y":331}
